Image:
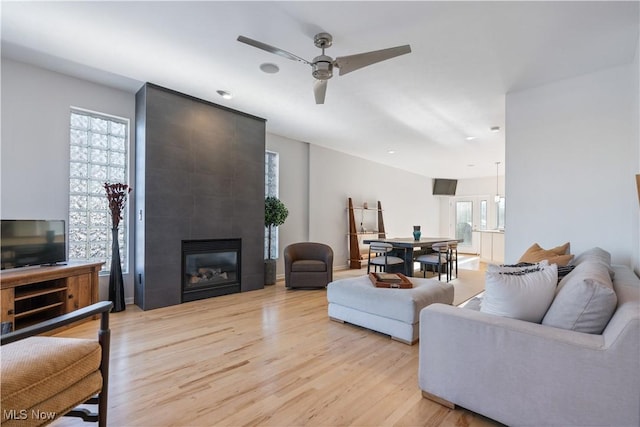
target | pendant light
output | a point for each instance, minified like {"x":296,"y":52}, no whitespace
{"x":497,"y":196}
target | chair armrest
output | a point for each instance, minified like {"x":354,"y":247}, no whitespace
{"x":102,"y":307}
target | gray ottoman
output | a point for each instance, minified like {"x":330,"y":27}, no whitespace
{"x":394,"y":312}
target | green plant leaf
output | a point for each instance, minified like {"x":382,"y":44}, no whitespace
{"x":275,"y":212}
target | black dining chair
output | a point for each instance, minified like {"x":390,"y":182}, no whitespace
{"x":453,"y":257}
{"x":381,"y":257}
{"x":439,"y":259}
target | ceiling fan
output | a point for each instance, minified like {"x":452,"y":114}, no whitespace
{"x":322,"y":65}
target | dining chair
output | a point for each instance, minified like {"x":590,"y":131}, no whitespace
{"x":381,"y":256}
{"x":453,"y":257}
{"x":439,"y":258}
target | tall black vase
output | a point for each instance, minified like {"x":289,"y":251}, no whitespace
{"x":116,"y":282}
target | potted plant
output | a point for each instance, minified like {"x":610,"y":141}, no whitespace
{"x":275,"y":213}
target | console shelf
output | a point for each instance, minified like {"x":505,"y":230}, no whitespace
{"x":33,"y":294}
{"x":22,"y":295}
{"x":37,"y":310}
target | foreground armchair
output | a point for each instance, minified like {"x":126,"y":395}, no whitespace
{"x":45,"y":377}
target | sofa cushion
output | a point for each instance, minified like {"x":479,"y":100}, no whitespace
{"x":558,"y":255}
{"x":585,"y":300}
{"x":523,"y":293}
{"x":595,"y":255}
{"x":308,"y":265}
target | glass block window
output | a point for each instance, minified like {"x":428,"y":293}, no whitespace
{"x":271,"y":172}
{"x":98,"y":153}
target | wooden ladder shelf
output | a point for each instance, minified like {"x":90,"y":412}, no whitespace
{"x":355,"y":256}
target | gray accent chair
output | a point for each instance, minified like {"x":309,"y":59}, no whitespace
{"x":308,"y":265}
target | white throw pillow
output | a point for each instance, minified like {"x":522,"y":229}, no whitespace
{"x":523,"y":293}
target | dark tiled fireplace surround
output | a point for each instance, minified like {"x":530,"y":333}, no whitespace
{"x":199,"y":175}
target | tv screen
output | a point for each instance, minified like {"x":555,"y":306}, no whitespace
{"x":32,"y":242}
{"x":444,"y":187}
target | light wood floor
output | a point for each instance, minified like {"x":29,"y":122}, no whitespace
{"x":268,"y":357}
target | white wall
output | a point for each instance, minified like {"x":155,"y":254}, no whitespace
{"x":571,"y":157}
{"x":315,"y":183}
{"x":334,"y":177}
{"x":35,"y":141}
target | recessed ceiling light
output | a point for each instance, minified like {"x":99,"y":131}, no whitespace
{"x":470,"y":138}
{"x":391,"y":152}
{"x":224,"y":94}
{"x":495,"y":129}
{"x":269,"y":68}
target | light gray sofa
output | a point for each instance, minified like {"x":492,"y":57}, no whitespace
{"x":528,"y":374}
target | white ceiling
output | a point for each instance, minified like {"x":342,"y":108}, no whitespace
{"x":465,"y":57}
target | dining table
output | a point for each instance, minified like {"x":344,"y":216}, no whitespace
{"x":406,"y":247}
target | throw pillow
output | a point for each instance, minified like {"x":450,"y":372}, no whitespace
{"x":564,"y":270}
{"x":523,"y":293}
{"x":558,"y":255}
{"x":595,"y":254}
{"x":585,"y":300}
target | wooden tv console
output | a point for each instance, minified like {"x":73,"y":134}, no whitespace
{"x":30,"y":295}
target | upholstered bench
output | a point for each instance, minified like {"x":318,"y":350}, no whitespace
{"x":394,"y":312}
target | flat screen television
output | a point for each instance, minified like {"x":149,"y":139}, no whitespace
{"x":26,"y":242}
{"x":444,"y":187}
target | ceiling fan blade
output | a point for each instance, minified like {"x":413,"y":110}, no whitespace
{"x":271,"y":49}
{"x":320,"y":90}
{"x":350,"y":63}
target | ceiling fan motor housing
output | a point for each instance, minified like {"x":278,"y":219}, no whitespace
{"x":323,"y":40}
{"x":322,"y":67}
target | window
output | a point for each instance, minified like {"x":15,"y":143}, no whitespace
{"x":464,"y":221}
{"x":483,"y":215}
{"x":98,"y":153}
{"x":271,"y":171}
{"x":500,"y":209}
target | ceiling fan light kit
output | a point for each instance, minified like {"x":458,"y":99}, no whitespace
{"x":269,"y":68}
{"x":322,"y":65}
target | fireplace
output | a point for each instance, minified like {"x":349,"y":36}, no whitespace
{"x":210,"y":268}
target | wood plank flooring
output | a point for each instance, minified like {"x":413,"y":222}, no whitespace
{"x":269,"y":357}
